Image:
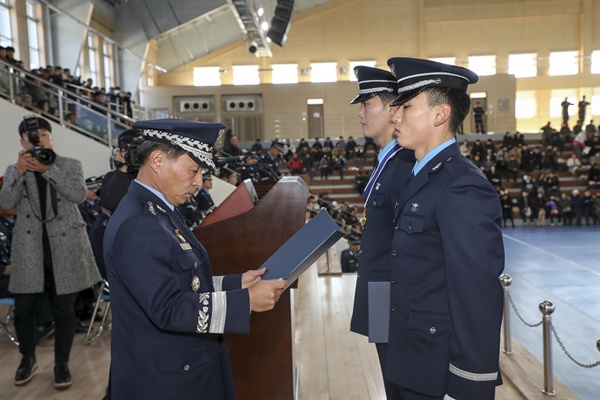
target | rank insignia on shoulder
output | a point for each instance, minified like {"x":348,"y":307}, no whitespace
{"x":151,"y":208}
{"x":436,"y":166}
{"x":414,"y":207}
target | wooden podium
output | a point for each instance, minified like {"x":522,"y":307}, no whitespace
{"x":262,"y":362}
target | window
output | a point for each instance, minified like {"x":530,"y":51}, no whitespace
{"x":595,"y":102}
{"x":522,"y":65}
{"x":483,"y":65}
{"x":323,"y":72}
{"x":92,"y":58}
{"x":557,"y":96}
{"x":595,"y":62}
{"x":34,"y":33}
{"x":370,"y":63}
{"x":525,"y":104}
{"x":107,"y":53}
{"x":6,"y":39}
{"x":444,"y":60}
{"x":245,"y":75}
{"x":563,"y":63}
{"x":207,"y":76}
{"x":284,"y":73}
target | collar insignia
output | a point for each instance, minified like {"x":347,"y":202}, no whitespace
{"x":162,"y":210}
{"x":151,"y":208}
{"x":377,"y":186}
{"x":436,"y":166}
{"x":414,"y":207}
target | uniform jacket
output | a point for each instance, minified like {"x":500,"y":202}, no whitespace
{"x":374,"y":260}
{"x":166,"y":339}
{"x":72,"y":259}
{"x":446,"y":298}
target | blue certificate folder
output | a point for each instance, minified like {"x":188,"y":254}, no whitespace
{"x":379,"y":311}
{"x":303,"y":249}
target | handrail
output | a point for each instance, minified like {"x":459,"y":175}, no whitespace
{"x":14,"y":81}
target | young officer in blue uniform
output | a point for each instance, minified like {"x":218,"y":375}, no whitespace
{"x":377,"y":89}
{"x":169,"y":312}
{"x":447,"y":251}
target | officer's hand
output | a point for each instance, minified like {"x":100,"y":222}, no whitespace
{"x":249,"y":278}
{"x":8,"y":270}
{"x":21,"y":165}
{"x":264,"y":294}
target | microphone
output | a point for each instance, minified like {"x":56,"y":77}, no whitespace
{"x":233,"y":159}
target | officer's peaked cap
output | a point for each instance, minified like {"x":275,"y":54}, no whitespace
{"x":372,"y":81}
{"x":196,"y":138}
{"x":415,"y":75}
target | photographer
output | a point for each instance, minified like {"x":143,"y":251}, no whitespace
{"x":114,"y":186}
{"x":50,"y":252}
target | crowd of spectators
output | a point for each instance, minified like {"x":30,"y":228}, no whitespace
{"x":539,"y":167}
{"x":37,"y":93}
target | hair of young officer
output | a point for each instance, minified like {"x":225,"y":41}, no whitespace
{"x":459,"y":101}
{"x":148,"y":146}
{"x":42,"y":124}
{"x":387,"y":97}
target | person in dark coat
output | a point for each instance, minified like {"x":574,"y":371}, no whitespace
{"x":376,"y":90}
{"x":90,"y":209}
{"x":169,"y":311}
{"x":349,"y":256}
{"x":446,"y":301}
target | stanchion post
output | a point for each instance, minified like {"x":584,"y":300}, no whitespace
{"x":547,"y":308}
{"x":506,"y":280}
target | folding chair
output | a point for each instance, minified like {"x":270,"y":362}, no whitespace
{"x":10,"y":302}
{"x":103,"y":297}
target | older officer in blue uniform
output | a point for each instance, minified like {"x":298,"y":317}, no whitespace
{"x":169,"y":312}
{"x":447,"y":251}
{"x":376,"y":90}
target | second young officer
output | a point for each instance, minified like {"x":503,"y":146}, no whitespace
{"x":376,"y":90}
{"x":169,"y":311}
{"x":447,"y":250}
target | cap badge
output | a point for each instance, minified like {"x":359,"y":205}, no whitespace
{"x":151,"y":208}
{"x":414,"y":207}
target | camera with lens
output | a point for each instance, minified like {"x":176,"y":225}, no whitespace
{"x":128,"y":145}
{"x":44,"y":156}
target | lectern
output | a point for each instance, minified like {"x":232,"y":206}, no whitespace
{"x":262,"y":362}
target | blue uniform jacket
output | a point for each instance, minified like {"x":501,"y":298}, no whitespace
{"x":374,"y":260}
{"x":446,"y":299}
{"x":166,"y":338}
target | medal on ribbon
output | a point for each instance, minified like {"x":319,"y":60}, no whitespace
{"x":184,"y":243}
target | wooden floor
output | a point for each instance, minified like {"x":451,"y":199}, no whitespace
{"x":331,"y":362}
